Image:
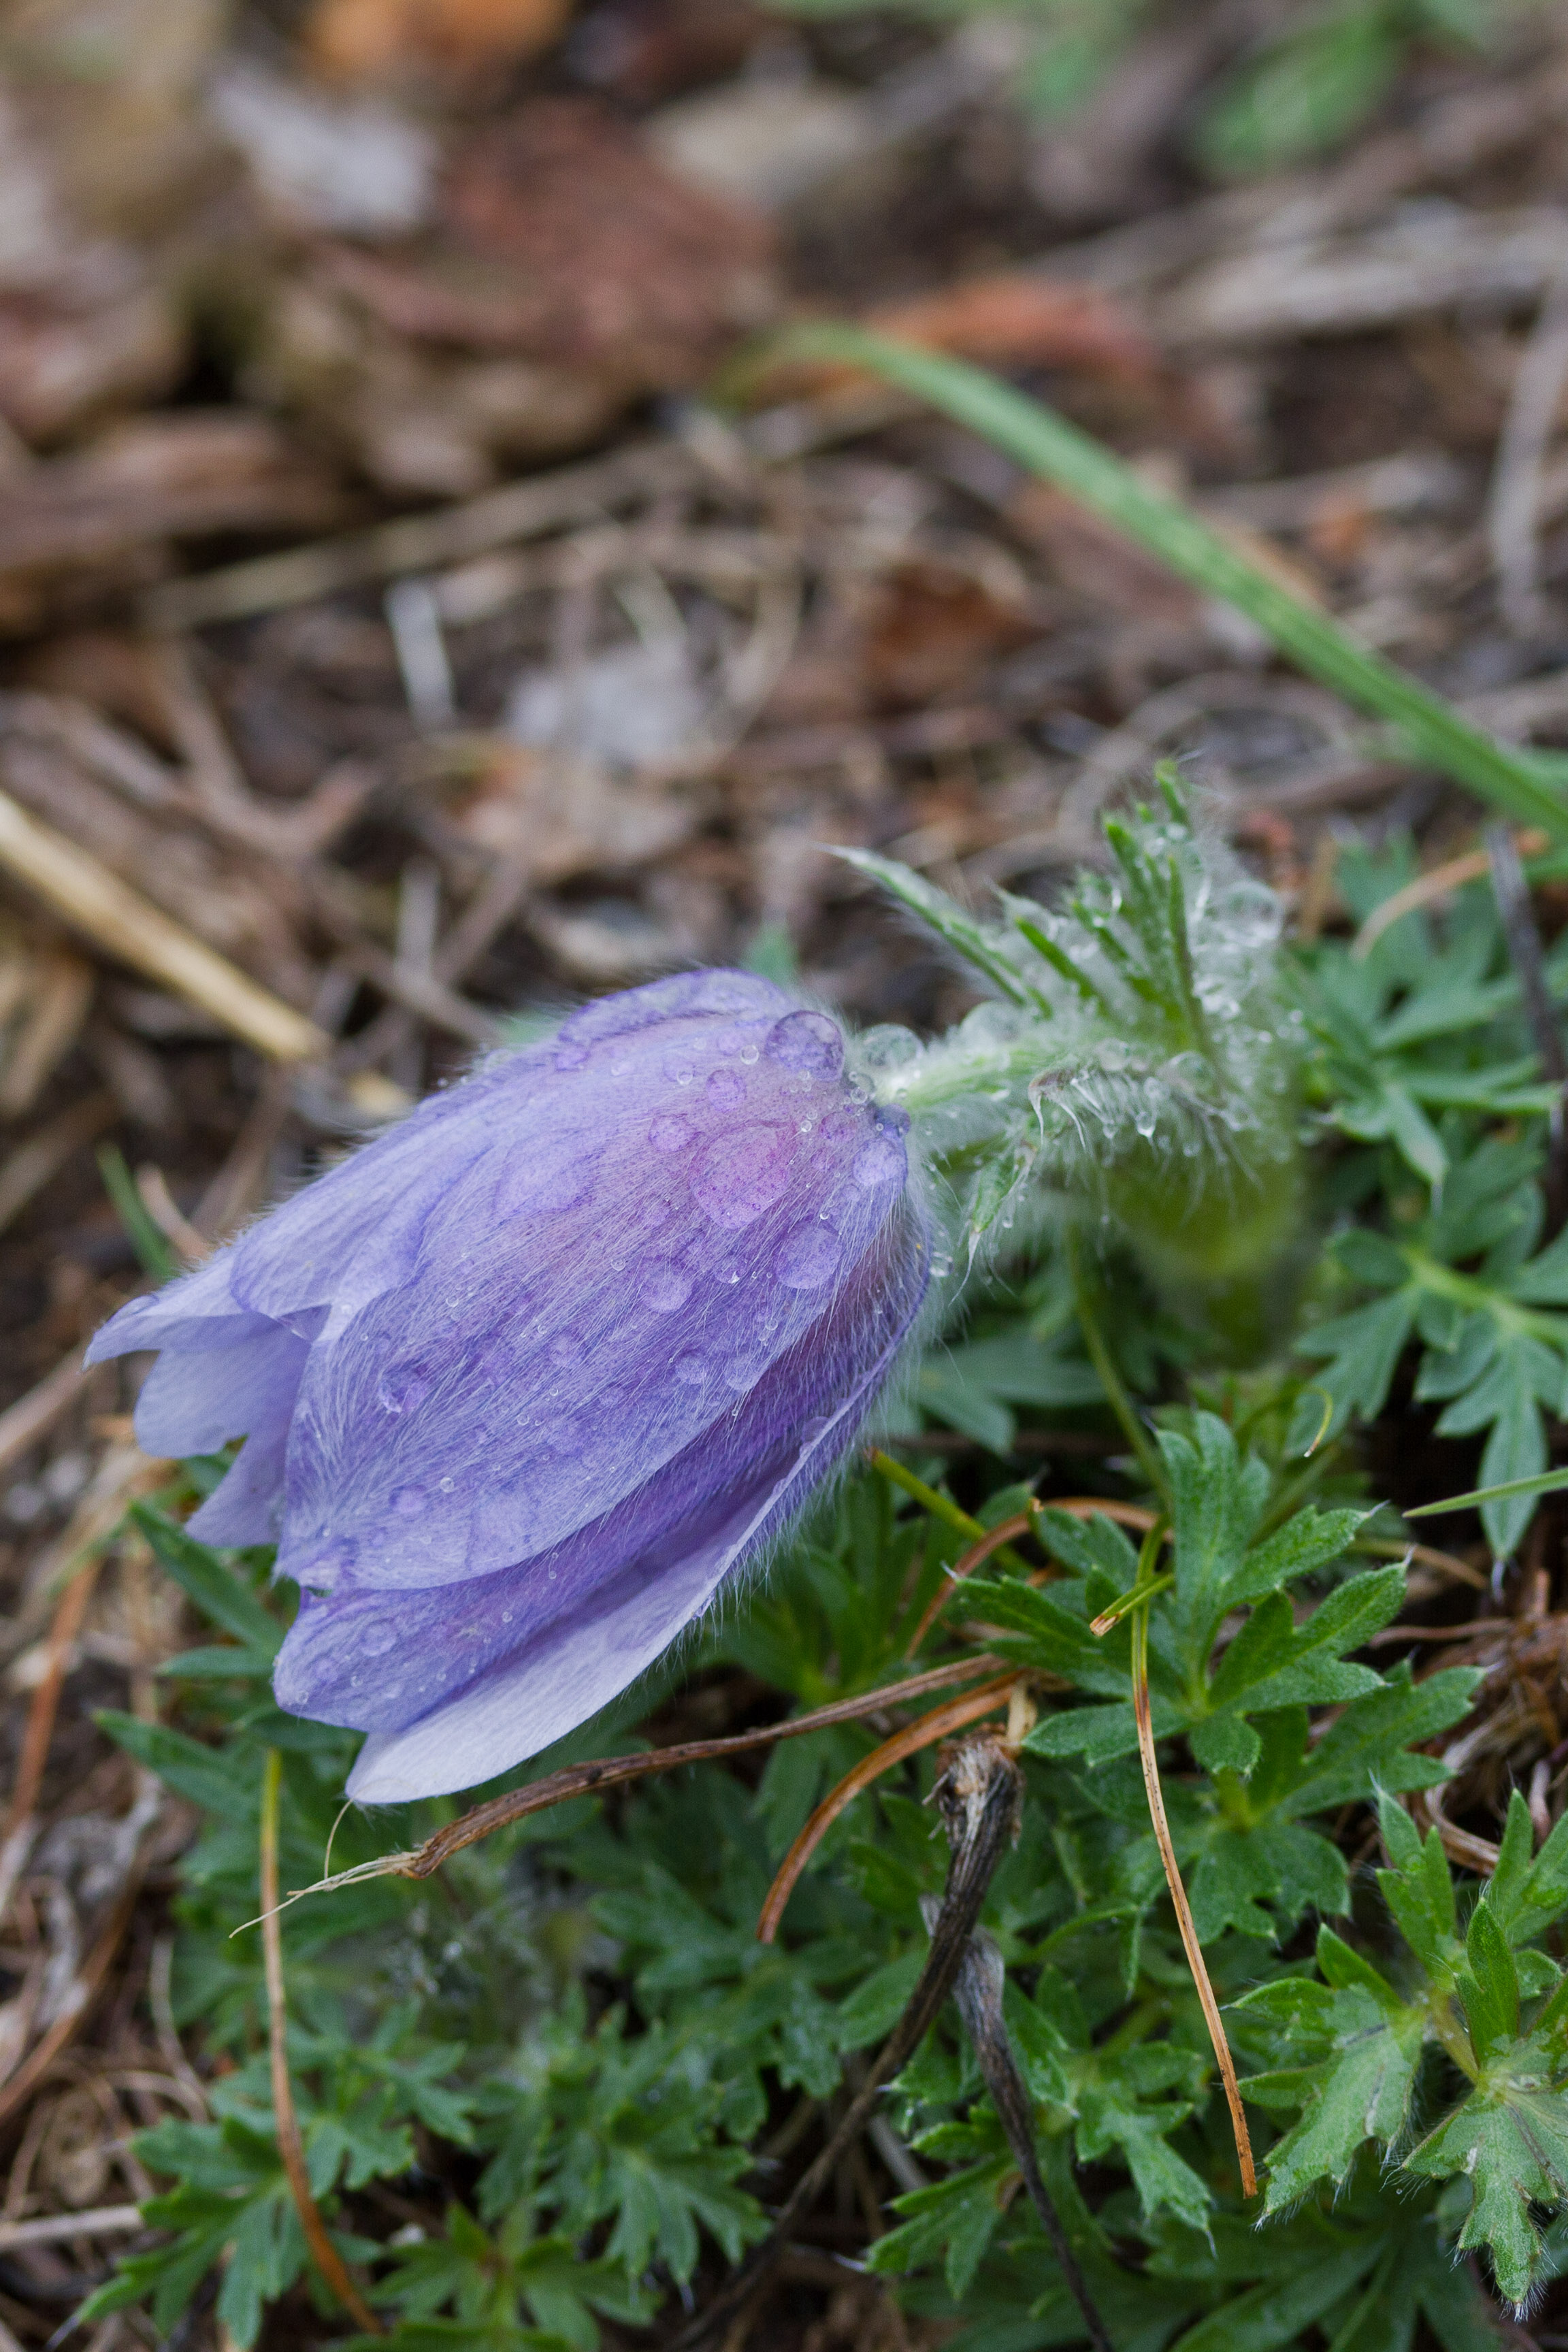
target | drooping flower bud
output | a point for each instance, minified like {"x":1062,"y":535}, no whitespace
{"x":527,"y":1380}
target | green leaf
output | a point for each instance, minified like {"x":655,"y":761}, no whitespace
{"x":1278,"y":2311}
{"x":1361,"y":2089}
{"x":218,"y":1592}
{"x":953,"y":2219}
{"x":1418,"y":1890}
{"x":1511,"y":2139}
{"x":223,"y":1783}
{"x":1362,"y":1352}
{"x":1489,"y":1984}
{"x":973,"y":941}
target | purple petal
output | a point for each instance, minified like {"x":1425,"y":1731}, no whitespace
{"x":523,"y":1382}
{"x":245,"y":1507}
{"x":199,"y":1311}
{"x":196,"y":1402}
{"x":534,"y":1370}
{"x":550,"y":1644}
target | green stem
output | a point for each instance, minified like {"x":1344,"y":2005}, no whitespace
{"x":1100,"y":1355}
{"x":942,"y":1507}
{"x":1433,"y":731}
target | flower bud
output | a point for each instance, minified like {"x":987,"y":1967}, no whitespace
{"x":524,"y":1381}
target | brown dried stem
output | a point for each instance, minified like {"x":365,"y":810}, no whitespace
{"x":979,"y":1795}
{"x":956,"y":1716}
{"x":615,"y":1771}
{"x":1078,"y":1506}
{"x":1189,"y":1933}
{"x":291,"y":2145}
{"x":978,"y":1993}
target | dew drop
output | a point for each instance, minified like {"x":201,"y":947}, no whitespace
{"x":569,"y":1054}
{"x":338,"y":1554}
{"x":880,"y":1162}
{"x":409,"y":1501}
{"x":446,"y":1484}
{"x":742,"y":1174}
{"x":377,"y":1638}
{"x":809,"y":1258}
{"x":666,"y":1288}
{"x":403,"y":1387}
{"x":751,"y":1052}
{"x":564,"y":1351}
{"x":725,"y":1089}
{"x":690,"y":1370}
{"x":808,"y":1042}
{"x":670,"y":1132}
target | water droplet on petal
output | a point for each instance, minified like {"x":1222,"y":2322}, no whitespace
{"x":666,"y":1288}
{"x":670,"y":1132}
{"x":809,"y":1042}
{"x":403,"y":1387}
{"x":569,"y":1054}
{"x":564,"y":1351}
{"x":532,"y":1187}
{"x":375,"y":1640}
{"x":690,"y":1370}
{"x":725,"y":1089}
{"x":809,"y":1258}
{"x":880,"y":1162}
{"x":742,"y":1174}
{"x":446,"y":1484}
{"x":409,"y":1501}
{"x":324,"y":1566}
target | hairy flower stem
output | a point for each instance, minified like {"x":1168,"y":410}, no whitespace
{"x":980,"y":1796}
{"x":978,"y":1993}
{"x":1084,"y":1301}
{"x":291,"y":2145}
{"x":1189,"y":1933}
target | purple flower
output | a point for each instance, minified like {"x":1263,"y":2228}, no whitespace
{"x":526,"y":1379}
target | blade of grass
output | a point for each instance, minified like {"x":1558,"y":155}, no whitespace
{"x":1432,"y":729}
{"x":1547,"y":1483}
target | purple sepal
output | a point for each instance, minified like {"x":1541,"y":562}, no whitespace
{"x":526,"y":1379}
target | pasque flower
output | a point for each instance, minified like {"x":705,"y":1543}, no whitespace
{"x":524,"y":1381}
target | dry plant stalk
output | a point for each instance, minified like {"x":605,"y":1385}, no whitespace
{"x":980,"y":1796}
{"x":1189,"y":1933}
{"x":615,"y":1772}
{"x":291,"y":2145}
{"x":125,"y":925}
{"x":956,"y":1716}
